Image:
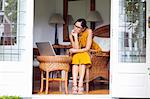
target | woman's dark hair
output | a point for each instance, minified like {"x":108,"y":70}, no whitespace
{"x":83,"y":22}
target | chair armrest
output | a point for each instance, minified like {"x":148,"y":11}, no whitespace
{"x":103,"y":53}
{"x":99,"y":53}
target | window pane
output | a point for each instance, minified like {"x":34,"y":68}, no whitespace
{"x":11,"y":26}
{"x":8,"y":20}
{"x":132,"y":31}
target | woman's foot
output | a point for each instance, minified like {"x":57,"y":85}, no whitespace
{"x":80,"y":90}
{"x":74,"y":90}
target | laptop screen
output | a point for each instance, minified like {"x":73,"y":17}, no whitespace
{"x":45,"y":49}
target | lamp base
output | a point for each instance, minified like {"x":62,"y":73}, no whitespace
{"x":56,"y":41}
{"x":93,"y":25}
{"x":56,"y":37}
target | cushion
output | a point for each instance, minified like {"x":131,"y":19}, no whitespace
{"x":104,"y":43}
{"x":36,"y":63}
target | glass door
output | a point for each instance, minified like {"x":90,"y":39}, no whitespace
{"x":129,"y":54}
{"x":16,"y":25}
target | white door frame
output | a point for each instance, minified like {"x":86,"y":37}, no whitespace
{"x":119,"y":70}
{"x":148,"y":45}
{"x":16,"y":76}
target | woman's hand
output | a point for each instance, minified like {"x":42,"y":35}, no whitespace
{"x":73,"y":33}
{"x":73,"y":50}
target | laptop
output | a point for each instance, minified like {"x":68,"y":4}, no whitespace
{"x":45,"y":49}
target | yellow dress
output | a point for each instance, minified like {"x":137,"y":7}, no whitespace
{"x":84,"y":57}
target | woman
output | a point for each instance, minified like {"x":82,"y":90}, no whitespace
{"x":81,"y":41}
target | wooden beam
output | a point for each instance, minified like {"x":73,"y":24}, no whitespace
{"x":65,"y":16}
{"x":92,"y":8}
{"x":92,"y":5}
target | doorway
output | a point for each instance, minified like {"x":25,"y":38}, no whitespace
{"x":99,"y":85}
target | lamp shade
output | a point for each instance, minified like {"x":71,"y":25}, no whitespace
{"x":94,"y":16}
{"x":56,"y":19}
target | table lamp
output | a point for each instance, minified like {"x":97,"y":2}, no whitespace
{"x":56,"y":19}
{"x":94,"y":16}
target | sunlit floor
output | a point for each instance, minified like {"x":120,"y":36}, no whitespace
{"x":95,"y":88}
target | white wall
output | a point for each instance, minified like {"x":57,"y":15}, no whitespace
{"x":81,"y":8}
{"x":45,"y":8}
{"x":59,"y":8}
{"x":42,"y":30}
{"x":78,"y":9}
{"x":103,"y":7}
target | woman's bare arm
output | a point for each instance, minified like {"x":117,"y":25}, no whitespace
{"x":74,"y":40}
{"x":71,"y":40}
{"x":89,"y":41}
{"x":88,"y":44}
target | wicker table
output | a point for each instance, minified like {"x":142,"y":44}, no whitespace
{"x":54,"y":63}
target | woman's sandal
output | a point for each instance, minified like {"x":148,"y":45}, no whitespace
{"x":74,"y":90}
{"x":80,"y":90}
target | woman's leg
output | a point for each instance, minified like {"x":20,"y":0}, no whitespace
{"x":81,"y":74}
{"x":75,"y":71}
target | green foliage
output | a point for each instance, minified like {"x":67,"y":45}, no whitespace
{"x":11,"y":10}
{"x":132,"y":10}
{"x":10,"y":97}
{"x":11,"y":13}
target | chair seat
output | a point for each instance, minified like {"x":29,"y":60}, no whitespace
{"x":36,"y":63}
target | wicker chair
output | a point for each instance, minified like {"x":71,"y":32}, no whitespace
{"x":49,"y":64}
{"x":100,"y":61}
{"x":99,"y":68}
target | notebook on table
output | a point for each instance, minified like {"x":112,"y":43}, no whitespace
{"x":45,"y":49}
